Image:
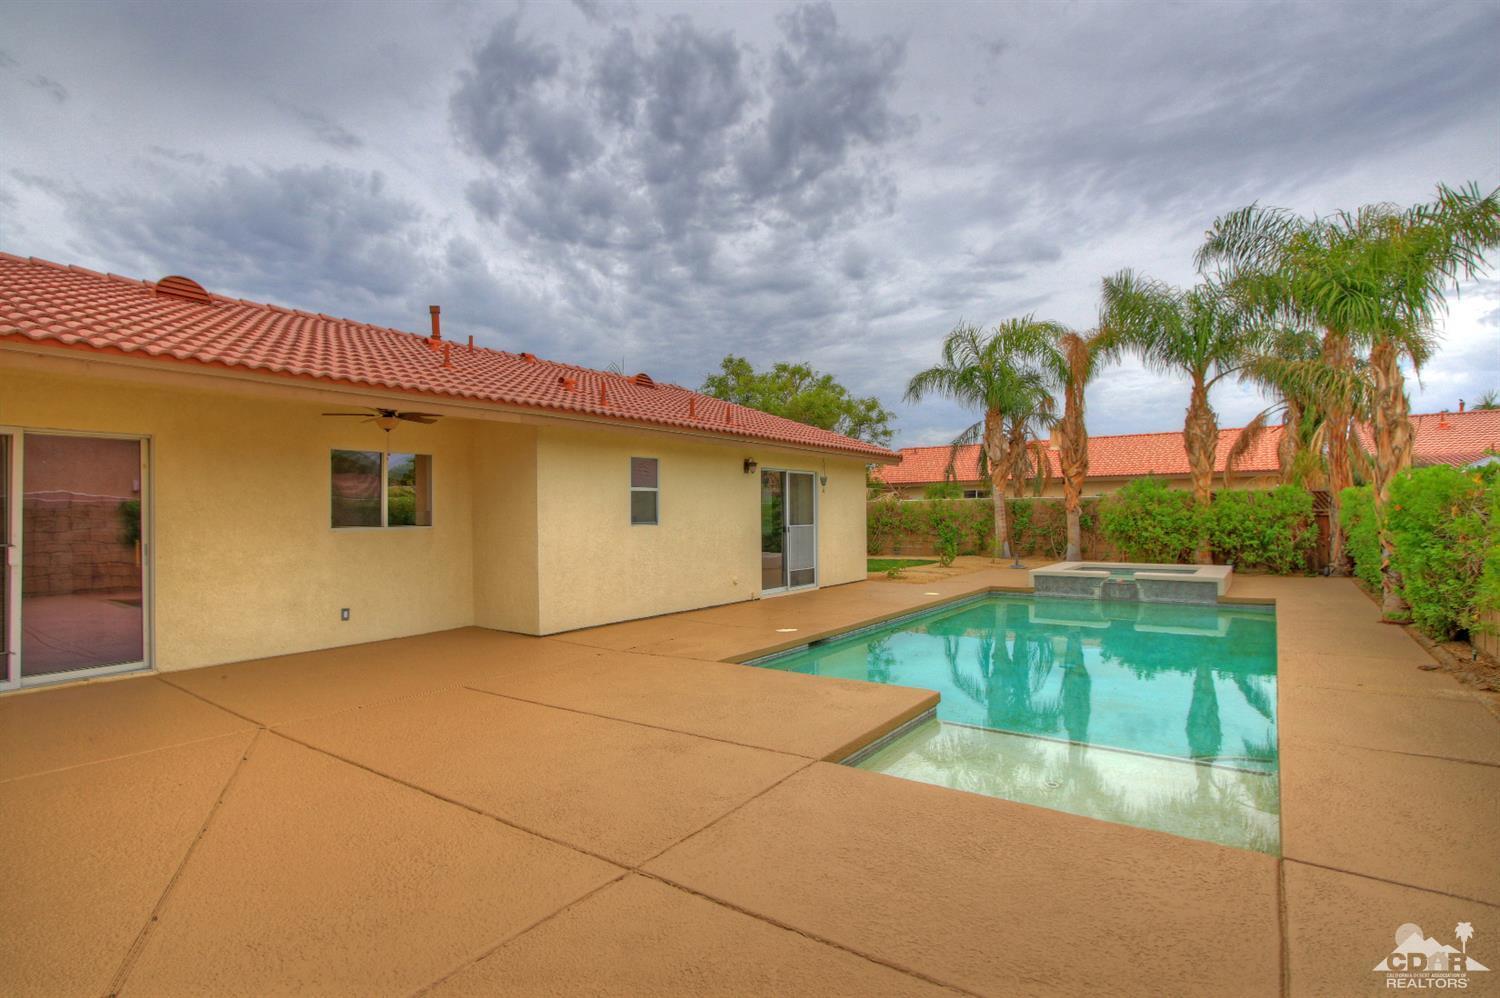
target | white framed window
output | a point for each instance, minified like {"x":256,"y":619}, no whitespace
{"x":375,"y":489}
{"x":645,"y":491}
{"x":976,"y":493}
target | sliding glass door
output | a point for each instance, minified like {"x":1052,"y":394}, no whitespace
{"x":74,"y":589}
{"x":788,"y":530}
{"x":10,"y":568}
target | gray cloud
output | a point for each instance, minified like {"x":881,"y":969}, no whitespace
{"x":303,"y":233}
{"x":666,"y":135}
{"x":322,"y":127}
{"x":693,"y":176}
{"x":49,"y":86}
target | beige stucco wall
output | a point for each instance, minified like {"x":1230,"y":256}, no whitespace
{"x":505,"y":527}
{"x":596,"y":567}
{"x":245,"y":561}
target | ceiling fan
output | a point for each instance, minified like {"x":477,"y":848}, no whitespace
{"x":389,"y":419}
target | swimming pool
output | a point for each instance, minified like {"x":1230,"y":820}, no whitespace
{"x":1158,"y":715}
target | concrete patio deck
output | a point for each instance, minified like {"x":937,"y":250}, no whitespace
{"x":620,"y":811}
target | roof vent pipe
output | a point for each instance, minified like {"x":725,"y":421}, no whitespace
{"x":437,"y":332}
{"x":1460,"y":405}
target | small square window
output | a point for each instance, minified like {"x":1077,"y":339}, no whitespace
{"x":371,"y":489}
{"x":644,"y":491}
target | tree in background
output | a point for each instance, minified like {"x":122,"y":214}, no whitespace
{"x":1375,"y":281}
{"x":1072,"y":362}
{"x":1001,"y":373}
{"x":1304,"y":430}
{"x":797,"y":391}
{"x":1199,"y":333}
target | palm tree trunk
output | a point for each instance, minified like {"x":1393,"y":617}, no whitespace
{"x":1073,"y":452}
{"x":999,"y":462}
{"x":1016,"y":451}
{"x":1336,"y":353}
{"x":1391,"y":427}
{"x":1201,"y":436}
{"x":1291,"y":435}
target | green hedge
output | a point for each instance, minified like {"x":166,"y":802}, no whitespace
{"x":965,"y":526}
{"x":1361,"y":540}
{"x":1270,"y":531}
{"x":1445,"y":527}
{"x":1147,"y":521}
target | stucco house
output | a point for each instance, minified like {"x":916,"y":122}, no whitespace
{"x":1459,"y":438}
{"x":189,"y":479}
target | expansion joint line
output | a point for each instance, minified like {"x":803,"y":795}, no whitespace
{"x":139,"y":945}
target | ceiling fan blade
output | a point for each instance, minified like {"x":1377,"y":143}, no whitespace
{"x":346,"y":414}
{"x":419,"y":417}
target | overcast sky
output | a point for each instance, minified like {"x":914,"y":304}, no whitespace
{"x":658,"y":184}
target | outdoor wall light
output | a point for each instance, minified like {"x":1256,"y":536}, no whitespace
{"x":750,"y":465}
{"x":823,"y":481}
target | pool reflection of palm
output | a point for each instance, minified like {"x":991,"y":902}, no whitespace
{"x":1205,"y":733}
{"x":1077,"y":690}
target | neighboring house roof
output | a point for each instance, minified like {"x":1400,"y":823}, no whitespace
{"x":1456,"y":438}
{"x":173,"y":320}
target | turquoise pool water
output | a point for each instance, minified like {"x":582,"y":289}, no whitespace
{"x":1151,"y":714}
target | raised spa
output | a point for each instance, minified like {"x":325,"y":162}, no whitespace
{"x":1146,"y":583}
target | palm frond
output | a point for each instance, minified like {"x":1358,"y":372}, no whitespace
{"x":968,"y":438}
{"x":1249,"y":436}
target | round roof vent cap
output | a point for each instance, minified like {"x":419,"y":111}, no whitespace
{"x":177,"y":286}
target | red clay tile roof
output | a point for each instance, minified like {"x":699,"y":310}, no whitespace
{"x":55,"y":305}
{"x":1455,"y":438}
{"x":1452,"y":438}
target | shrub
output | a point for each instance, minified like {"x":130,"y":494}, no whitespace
{"x":948,"y":528}
{"x":1038,"y":526}
{"x":130,"y":522}
{"x":401,"y":507}
{"x":886,"y":520}
{"x":1271,"y":530}
{"x":1361,"y":541}
{"x":1443,"y":528}
{"x":982,"y":527}
{"x":943,"y":490}
{"x":1147,"y":521}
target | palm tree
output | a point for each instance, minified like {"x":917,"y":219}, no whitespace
{"x":998,"y":373}
{"x":1464,"y":931}
{"x":1274,"y":369}
{"x":1489,"y":400}
{"x":1374,"y":280}
{"x":1072,"y":362}
{"x":1199,"y":333}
